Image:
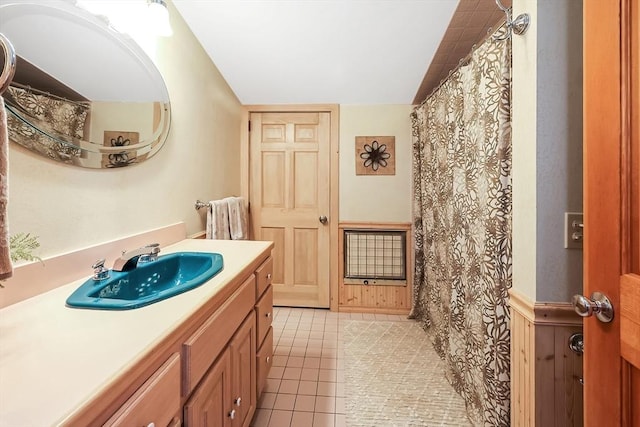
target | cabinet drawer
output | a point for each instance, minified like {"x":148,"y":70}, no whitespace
{"x":264,"y":275}
{"x":157,"y":401}
{"x":264,"y":359}
{"x":264,"y":313}
{"x":204,"y":346}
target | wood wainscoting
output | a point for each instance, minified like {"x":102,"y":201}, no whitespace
{"x":382,"y":299}
{"x":545,"y":374}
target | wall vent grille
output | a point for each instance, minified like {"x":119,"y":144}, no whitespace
{"x":377,"y":256}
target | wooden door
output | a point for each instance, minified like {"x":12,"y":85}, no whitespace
{"x":243,"y":368}
{"x":612,"y":207}
{"x":289,"y":186}
{"x":210,"y":404}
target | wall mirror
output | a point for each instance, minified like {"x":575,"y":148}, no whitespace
{"x":83,"y":93}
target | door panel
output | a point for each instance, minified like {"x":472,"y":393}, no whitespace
{"x":612,"y":206}
{"x":289,"y":191}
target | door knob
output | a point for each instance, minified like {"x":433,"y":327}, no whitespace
{"x":576,"y":343}
{"x":599,"y":305}
{"x":323,"y":220}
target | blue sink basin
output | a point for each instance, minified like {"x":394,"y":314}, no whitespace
{"x":150,"y":282}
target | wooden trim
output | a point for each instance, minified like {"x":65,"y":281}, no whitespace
{"x":375,"y":225}
{"x":334,"y":173}
{"x":545,"y":373}
{"x":541,"y":313}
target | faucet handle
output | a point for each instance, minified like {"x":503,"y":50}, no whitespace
{"x":155,"y":247}
{"x":99,"y":271}
{"x":98,"y":264}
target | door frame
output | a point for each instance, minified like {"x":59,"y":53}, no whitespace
{"x":334,"y":173}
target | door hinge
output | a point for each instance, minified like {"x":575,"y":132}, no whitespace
{"x":249,"y":125}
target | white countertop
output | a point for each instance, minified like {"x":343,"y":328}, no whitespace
{"x":54,"y":359}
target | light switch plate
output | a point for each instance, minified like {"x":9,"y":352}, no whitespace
{"x":573,"y":230}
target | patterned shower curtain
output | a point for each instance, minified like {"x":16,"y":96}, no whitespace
{"x":462,"y":225}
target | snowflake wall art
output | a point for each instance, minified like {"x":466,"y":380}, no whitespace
{"x":375,"y":155}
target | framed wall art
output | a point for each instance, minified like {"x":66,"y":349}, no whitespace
{"x":375,"y":155}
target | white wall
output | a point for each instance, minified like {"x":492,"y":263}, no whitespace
{"x":381,"y":198}
{"x":547,"y":148}
{"x":71,"y":208}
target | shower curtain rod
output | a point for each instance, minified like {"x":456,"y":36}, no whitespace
{"x":85,"y":104}
{"x":465,"y":59}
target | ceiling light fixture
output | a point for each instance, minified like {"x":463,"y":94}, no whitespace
{"x":159,"y":17}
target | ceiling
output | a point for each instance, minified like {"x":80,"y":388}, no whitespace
{"x":328,"y":51}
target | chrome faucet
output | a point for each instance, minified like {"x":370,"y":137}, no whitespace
{"x":129,"y":259}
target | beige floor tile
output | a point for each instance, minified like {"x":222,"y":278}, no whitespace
{"x":272,"y":385}
{"x":326,"y":389}
{"x":314,"y":352}
{"x":326,"y":404}
{"x":328,"y":375}
{"x":328,"y":352}
{"x":295,"y":362}
{"x":306,"y":384}
{"x":276,"y":372}
{"x":312,"y":362}
{"x":305,"y":403}
{"x":316,"y":335}
{"x":282,"y":350}
{"x":279,"y":360}
{"x":289,"y":387}
{"x":300,"y":342}
{"x":291,"y":373}
{"x":302,"y":419}
{"x":286,"y":341}
{"x":323,"y":420}
{"x":261,"y":418}
{"x":328,"y":363}
{"x":285,"y":402}
{"x":280,"y":418}
{"x":308,"y":388}
{"x":315,"y":344}
{"x":298,"y":351}
{"x":309,"y":374}
{"x":304,"y":326}
{"x":267,"y":400}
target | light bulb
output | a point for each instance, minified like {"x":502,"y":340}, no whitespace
{"x":159,"y":17}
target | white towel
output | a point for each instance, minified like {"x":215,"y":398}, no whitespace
{"x":238,"y":218}
{"x":6,"y":269}
{"x":218,"y":220}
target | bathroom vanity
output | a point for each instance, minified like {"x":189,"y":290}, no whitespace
{"x":199,"y":358}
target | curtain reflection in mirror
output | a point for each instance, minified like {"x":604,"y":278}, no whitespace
{"x":56,"y":115}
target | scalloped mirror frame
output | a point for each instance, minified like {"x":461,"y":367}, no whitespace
{"x":127,"y":119}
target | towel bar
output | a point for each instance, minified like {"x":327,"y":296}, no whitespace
{"x":200,"y":204}
{"x":9,"y":68}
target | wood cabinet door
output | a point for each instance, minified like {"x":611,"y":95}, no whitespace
{"x":612,"y":209}
{"x":290,"y":193}
{"x":243,"y":366}
{"x":156,"y":402}
{"x":210,"y":404}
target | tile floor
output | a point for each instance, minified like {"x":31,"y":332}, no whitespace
{"x":306,"y":383}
